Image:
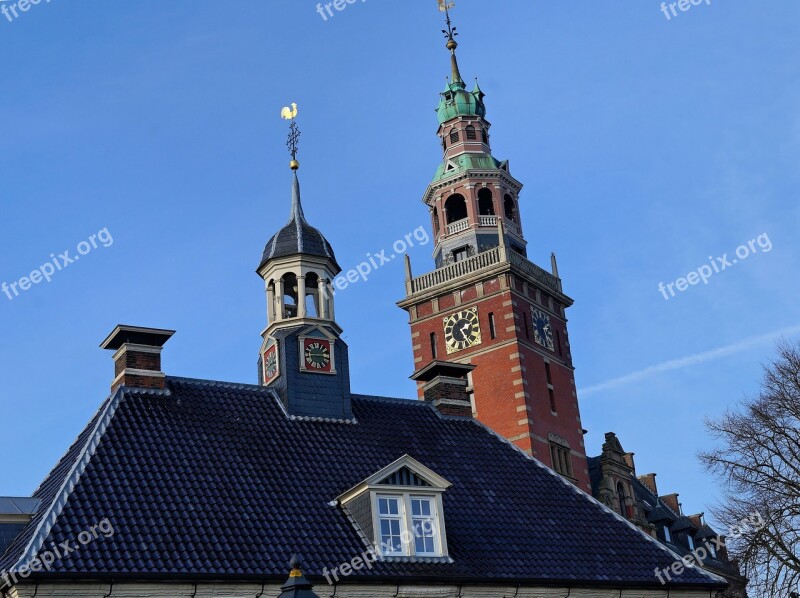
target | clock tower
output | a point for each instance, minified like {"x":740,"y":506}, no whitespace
{"x":486,"y":304}
{"x":302,"y":357}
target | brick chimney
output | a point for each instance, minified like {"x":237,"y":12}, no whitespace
{"x":137,"y":357}
{"x":446,"y":387}
{"x":671,"y":500}
{"x":649,"y":480}
{"x":697,"y":520}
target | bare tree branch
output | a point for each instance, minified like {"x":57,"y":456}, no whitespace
{"x":758,"y":461}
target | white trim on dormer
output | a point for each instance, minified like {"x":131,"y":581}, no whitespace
{"x":437,"y":482}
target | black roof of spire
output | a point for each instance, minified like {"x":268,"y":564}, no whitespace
{"x":297,"y":237}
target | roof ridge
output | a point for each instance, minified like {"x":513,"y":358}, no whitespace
{"x":53,"y":510}
{"x":222,"y":383}
{"x":390,"y":399}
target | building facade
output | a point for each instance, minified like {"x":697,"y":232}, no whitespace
{"x":636,"y":497}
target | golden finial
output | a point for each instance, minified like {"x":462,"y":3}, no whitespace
{"x":293,"y":142}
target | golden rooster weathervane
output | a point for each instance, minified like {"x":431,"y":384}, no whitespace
{"x":293,"y":143}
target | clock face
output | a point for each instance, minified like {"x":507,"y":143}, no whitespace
{"x":542,"y":331}
{"x":317,"y":355}
{"x":462,"y":330}
{"x":270,"y":364}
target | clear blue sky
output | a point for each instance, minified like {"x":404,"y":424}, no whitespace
{"x":646,"y":145}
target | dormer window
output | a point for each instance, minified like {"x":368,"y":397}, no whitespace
{"x":399,"y":510}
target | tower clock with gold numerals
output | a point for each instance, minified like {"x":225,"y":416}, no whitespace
{"x":462,"y":330}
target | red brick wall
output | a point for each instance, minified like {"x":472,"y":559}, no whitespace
{"x":510,"y":385}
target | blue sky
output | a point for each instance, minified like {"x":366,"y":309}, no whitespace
{"x":646,"y":145}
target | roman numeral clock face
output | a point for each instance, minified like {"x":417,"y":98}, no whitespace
{"x":271,"y":368}
{"x":316,"y":355}
{"x":462,"y":330}
{"x":542,"y":331}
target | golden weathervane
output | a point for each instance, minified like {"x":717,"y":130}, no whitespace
{"x":293,"y":143}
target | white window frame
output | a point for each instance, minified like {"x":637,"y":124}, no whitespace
{"x":690,"y":540}
{"x":405,"y":495}
{"x":667,"y":534}
{"x":401,"y":516}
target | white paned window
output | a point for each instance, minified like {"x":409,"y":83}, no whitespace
{"x":423,"y":520}
{"x":409,"y":525}
{"x":391,"y":525}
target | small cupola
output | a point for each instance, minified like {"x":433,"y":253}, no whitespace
{"x":303,"y":357}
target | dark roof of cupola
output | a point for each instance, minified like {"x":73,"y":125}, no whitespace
{"x":297,"y":237}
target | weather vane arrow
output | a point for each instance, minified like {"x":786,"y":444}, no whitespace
{"x":293,"y":142}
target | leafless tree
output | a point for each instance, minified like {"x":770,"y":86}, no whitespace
{"x":759,"y":463}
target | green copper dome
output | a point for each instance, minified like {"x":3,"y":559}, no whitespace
{"x":457,"y":101}
{"x":467,"y":162}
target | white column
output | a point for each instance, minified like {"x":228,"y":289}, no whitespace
{"x":281,"y":308}
{"x":329,"y":292}
{"x":270,"y":303}
{"x":322,"y":289}
{"x":301,"y":296}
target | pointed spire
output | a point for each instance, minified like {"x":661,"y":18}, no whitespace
{"x":409,"y":275}
{"x":450,"y":33}
{"x":478,"y":92}
{"x":297,"y":207}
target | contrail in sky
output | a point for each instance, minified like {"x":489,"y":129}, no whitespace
{"x":683,"y":362}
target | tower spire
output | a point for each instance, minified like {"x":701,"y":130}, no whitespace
{"x":293,"y":145}
{"x":450,"y":33}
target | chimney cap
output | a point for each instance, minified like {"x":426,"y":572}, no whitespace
{"x":123,"y":334}
{"x":442,"y":368}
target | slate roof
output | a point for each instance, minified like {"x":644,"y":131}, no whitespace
{"x":213,"y":480}
{"x":297,"y":237}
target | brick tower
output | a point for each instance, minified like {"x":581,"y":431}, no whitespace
{"x":486,"y":304}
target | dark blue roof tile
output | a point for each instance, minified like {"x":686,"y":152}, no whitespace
{"x":211,"y":479}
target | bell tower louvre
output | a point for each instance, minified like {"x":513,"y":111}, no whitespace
{"x":486,"y":304}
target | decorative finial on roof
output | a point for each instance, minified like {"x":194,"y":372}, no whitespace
{"x":297,"y":586}
{"x":450,"y":33}
{"x":293,"y":142}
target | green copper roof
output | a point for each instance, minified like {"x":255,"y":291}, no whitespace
{"x":464,"y":162}
{"x":457,"y":101}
